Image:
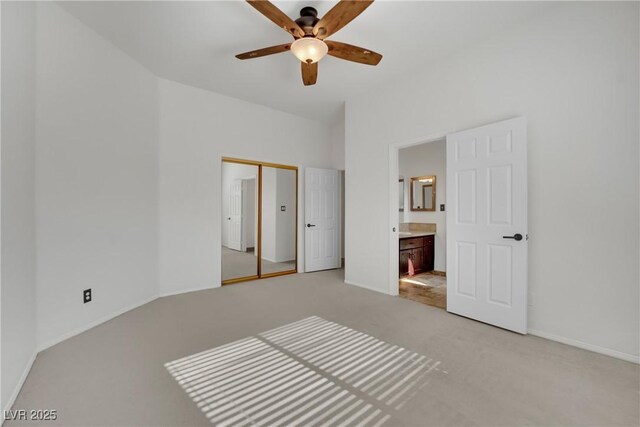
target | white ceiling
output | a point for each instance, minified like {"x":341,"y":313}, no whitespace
{"x":195,"y":42}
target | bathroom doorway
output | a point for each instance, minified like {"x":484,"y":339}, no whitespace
{"x":422,"y":223}
{"x":486,"y":221}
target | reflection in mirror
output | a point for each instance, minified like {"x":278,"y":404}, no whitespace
{"x":239,"y":221}
{"x":278,"y":220}
{"x":423,"y":193}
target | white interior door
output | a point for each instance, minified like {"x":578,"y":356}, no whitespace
{"x":234,"y":219}
{"x":321,"y":219}
{"x":487,"y":224}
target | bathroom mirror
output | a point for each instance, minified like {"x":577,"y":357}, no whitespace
{"x":423,"y":193}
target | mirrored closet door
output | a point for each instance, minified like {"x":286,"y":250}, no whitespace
{"x":279,"y":191}
{"x":239,"y":221}
{"x":259,"y":220}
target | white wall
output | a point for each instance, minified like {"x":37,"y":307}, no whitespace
{"x":83,"y":167}
{"x":96,"y":177}
{"x":337,"y":142}
{"x":269,"y":225}
{"x":574,"y":74}
{"x":18,"y":197}
{"x":109,"y":137}
{"x":420,"y":160}
{"x":337,"y":153}
{"x":197,"y":128}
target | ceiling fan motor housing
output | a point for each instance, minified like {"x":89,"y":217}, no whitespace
{"x":308,"y":19}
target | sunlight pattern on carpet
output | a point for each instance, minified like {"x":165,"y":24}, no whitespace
{"x":310,"y":372}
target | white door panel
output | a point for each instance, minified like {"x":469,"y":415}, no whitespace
{"x":487,"y":204}
{"x":322,"y":219}
{"x":234,"y":219}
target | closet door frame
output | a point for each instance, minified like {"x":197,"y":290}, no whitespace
{"x":260,"y":165}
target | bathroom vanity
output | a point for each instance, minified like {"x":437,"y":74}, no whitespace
{"x":419,"y":247}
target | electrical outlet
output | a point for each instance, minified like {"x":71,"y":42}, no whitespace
{"x":283,"y":208}
{"x":86,"y":295}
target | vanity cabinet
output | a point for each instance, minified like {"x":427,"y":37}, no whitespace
{"x":420,"y":251}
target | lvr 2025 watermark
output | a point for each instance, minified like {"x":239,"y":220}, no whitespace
{"x":31,"y":414}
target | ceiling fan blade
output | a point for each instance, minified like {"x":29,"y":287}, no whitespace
{"x":353,"y":53}
{"x":264,"y":52}
{"x":277,"y":16}
{"x":309,"y":73}
{"x":339,"y":16}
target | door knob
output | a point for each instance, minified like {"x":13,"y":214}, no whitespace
{"x":229,"y":219}
{"x":517,"y":237}
{"x":310,"y":225}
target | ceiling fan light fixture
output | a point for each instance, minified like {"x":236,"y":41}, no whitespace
{"x":309,"y":49}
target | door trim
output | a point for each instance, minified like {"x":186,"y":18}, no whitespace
{"x":394,"y":173}
{"x":260,"y":165}
{"x":394,"y":148}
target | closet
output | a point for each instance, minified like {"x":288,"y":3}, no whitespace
{"x":259,"y":220}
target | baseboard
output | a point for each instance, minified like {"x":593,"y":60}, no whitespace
{"x":186,"y":291}
{"x":585,"y":346}
{"x":100,"y":321}
{"x":276,"y":261}
{"x":16,"y":390}
{"x":360,"y":285}
{"x":93,"y":324}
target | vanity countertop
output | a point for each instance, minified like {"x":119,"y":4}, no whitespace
{"x":411,"y":234}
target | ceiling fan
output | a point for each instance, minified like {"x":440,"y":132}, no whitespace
{"x":310,"y":33}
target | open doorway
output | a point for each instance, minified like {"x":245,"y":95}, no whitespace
{"x":422,"y":223}
{"x":486,"y":221}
